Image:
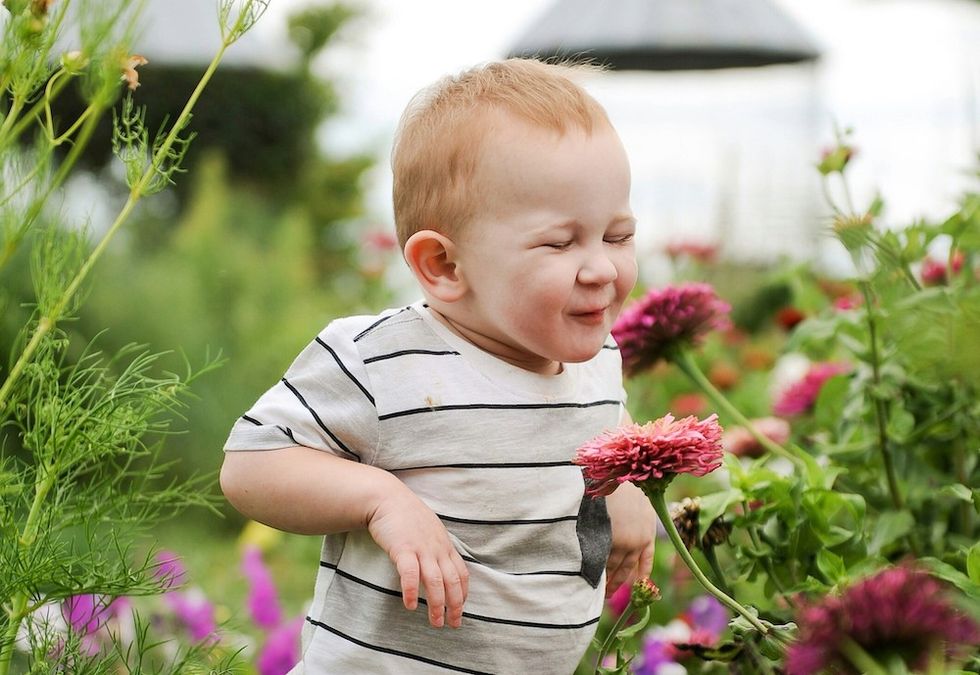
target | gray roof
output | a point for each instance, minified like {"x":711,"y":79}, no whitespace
{"x":668,"y":34}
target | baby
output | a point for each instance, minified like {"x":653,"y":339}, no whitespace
{"x":432,"y":444}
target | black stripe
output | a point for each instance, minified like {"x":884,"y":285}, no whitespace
{"x":495,"y":406}
{"x":534,"y":521}
{"x":613,"y":347}
{"x":323,"y":426}
{"x":394,"y":652}
{"x":468,"y":615}
{"x":377,"y":323}
{"x":562,"y":573}
{"x":483,"y":465}
{"x":252,"y":420}
{"x":344,"y":368}
{"x":404,"y":352}
{"x":288,"y":432}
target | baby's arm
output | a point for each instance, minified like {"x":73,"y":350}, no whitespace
{"x":308,"y":491}
{"x":634,"y":527}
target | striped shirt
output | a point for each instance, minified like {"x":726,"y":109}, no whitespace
{"x":488,"y":446}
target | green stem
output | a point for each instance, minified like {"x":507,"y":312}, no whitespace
{"x":712,"y":558}
{"x":881,"y":413}
{"x":860,"y":658}
{"x":18,"y":604}
{"x":685,"y":361}
{"x":610,"y":636}
{"x":136,"y":193}
{"x":659,"y":503}
{"x":766,"y":563}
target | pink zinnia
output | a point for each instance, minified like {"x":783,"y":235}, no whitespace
{"x":652,"y":453}
{"x":800,"y":396}
{"x":665,"y":319}
{"x":263,"y":600}
{"x":901,"y":611}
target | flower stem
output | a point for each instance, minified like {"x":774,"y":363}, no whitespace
{"x":659,"y":504}
{"x":712,"y":558}
{"x":611,"y":635}
{"x":881,"y":414}
{"x":685,"y":361}
{"x":860,"y":658}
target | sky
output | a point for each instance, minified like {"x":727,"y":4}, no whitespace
{"x":716,"y":156}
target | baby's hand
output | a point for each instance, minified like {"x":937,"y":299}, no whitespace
{"x":418,"y":544}
{"x":634,"y":526}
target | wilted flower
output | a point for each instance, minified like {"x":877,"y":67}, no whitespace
{"x":800,"y":396}
{"x":666,"y":319}
{"x":686,"y":516}
{"x":652,"y":454}
{"x":742,"y":443}
{"x":263,"y":600}
{"x":129,"y":65}
{"x":901,"y":611}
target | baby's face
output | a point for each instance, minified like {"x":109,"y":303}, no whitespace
{"x":549,"y":257}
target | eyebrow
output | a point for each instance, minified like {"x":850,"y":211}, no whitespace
{"x":570,"y":224}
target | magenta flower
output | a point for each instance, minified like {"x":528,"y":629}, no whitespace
{"x":263,"y":601}
{"x":800,"y":396}
{"x":281,"y":650}
{"x":195,"y":612}
{"x":169,"y":569}
{"x":901,"y":611}
{"x":620,"y":599}
{"x":652,"y":453}
{"x":664,"y":320}
{"x":87,"y":614}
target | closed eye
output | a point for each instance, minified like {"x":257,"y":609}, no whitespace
{"x":623,"y":239}
{"x":559,"y":245}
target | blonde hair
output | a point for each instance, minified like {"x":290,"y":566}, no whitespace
{"x":441,"y":133}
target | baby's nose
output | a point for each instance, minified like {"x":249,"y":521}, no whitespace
{"x":598,"y":269}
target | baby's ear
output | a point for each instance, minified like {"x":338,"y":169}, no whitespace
{"x":432,"y":259}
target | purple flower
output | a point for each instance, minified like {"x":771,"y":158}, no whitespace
{"x":655,"y":451}
{"x":87,"y":614}
{"x":281,"y":650}
{"x":263,"y":601}
{"x":657,"y":652}
{"x":169,"y":569}
{"x":708,"y":616}
{"x":800,"y":396}
{"x":901,"y":611}
{"x":195,"y":612}
{"x":652,"y":327}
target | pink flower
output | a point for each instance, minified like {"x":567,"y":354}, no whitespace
{"x":87,"y":614}
{"x":934,"y":272}
{"x":380,"y":240}
{"x":701,"y":252}
{"x":620,"y":599}
{"x":666,"y":319}
{"x":691,"y":403}
{"x":263,"y":601}
{"x":846,"y":302}
{"x":800,"y":396}
{"x":740,"y":442}
{"x":901,"y":611}
{"x":281,"y":650}
{"x":195,"y":612}
{"x":170,"y":569}
{"x":654,"y":452}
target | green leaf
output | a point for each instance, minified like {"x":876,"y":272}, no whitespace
{"x":973,"y":563}
{"x":900,"y":421}
{"x":958,"y":491}
{"x":715,"y":505}
{"x":635,"y":628}
{"x":949,"y":573}
{"x":831,"y":566}
{"x":891,"y":525}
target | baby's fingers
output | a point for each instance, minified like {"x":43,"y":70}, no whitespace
{"x":457,"y":584}
{"x":435,"y":592}
{"x":407,"y":565}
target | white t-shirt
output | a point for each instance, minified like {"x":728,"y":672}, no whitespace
{"x":488,"y":446}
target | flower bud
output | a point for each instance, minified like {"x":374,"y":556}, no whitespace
{"x":644,"y":593}
{"x":853,"y":231}
{"x":74,"y":61}
{"x":686,"y":515}
{"x":835,"y":159}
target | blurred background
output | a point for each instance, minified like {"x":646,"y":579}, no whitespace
{"x":284,"y":222}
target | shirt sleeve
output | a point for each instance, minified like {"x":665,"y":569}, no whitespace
{"x":324,"y":401}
